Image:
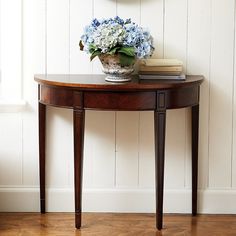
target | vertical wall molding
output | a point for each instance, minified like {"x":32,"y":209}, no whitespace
{"x":233,"y":163}
{"x":209,"y":92}
{"x":0,"y":54}
{"x":233,"y":103}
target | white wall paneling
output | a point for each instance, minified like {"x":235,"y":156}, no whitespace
{"x":100,"y":133}
{"x":221,"y":89}
{"x":127,"y":145}
{"x":152,"y":17}
{"x":129,"y":9}
{"x":43,"y":36}
{"x":0,"y":53}
{"x":33,"y":62}
{"x":59,"y":128}
{"x":79,"y":61}
{"x":175,"y":39}
{"x":10,"y":150}
{"x":58,"y":35}
{"x":11,"y":49}
{"x":198,"y":62}
{"x":146,"y":153}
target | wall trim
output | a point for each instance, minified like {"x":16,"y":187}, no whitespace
{"x":117,"y":200}
{"x":12,"y":106}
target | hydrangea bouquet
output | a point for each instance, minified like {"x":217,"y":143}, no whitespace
{"x":115,"y":36}
{"x":117,"y":43}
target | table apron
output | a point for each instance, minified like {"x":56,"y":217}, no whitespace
{"x":119,"y":100}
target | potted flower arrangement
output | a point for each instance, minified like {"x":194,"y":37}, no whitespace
{"x":117,"y":43}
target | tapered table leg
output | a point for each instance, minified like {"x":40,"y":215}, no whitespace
{"x":195,"y":129}
{"x":79,"y":119}
{"x":42,"y":137}
{"x":160,"y":124}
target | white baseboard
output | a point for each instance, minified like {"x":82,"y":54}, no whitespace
{"x":117,"y":200}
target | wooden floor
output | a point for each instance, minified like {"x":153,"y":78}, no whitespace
{"x":19,"y":224}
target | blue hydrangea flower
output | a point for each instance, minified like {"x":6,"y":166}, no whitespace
{"x":106,"y":34}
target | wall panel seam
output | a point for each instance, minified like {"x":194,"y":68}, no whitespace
{"x":186,"y":111}
{"x":0,"y":53}
{"x":69,"y":69}
{"x":22,"y":50}
{"x":164,"y":16}
{"x":138,"y":170}
{"x":139,"y":126}
{"x":22,"y":149}
{"x":233,"y":94}
{"x":92,"y":69}
{"x":187,"y":25}
{"x":185,"y":147}
{"x":115,"y":162}
{"x":46,"y":38}
{"x":22,"y":89}
{"x":209,"y":98}
{"x":140,"y":11}
{"x":116,"y":6}
{"x":69,"y":35}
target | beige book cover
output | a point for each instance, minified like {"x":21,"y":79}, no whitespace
{"x":162,"y":62}
{"x":160,"y":68}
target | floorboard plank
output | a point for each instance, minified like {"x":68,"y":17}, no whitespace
{"x":109,"y":224}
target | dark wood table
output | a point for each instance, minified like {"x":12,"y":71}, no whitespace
{"x":91,"y":92}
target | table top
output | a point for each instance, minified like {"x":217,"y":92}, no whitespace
{"x":97,"y":82}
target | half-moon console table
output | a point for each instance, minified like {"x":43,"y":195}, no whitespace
{"x":91,"y":92}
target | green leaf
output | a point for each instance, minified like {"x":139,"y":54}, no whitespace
{"x":129,"y":51}
{"x":94,"y":54}
{"x":92,"y":48}
{"x":81,"y":46}
{"x":126,"y":60}
{"x":113,"y":50}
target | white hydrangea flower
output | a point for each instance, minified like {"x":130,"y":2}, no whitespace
{"x":107,"y":36}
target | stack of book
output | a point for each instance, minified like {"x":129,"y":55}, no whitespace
{"x":161,"y":69}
